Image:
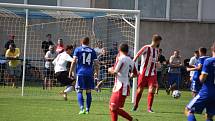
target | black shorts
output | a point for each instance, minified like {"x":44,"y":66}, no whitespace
{"x":49,"y":73}
{"x":63,"y":78}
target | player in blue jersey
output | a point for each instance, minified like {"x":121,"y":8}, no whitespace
{"x":86,"y":63}
{"x":195,"y":84}
{"x":206,"y":96}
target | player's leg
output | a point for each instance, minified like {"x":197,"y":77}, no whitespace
{"x":196,"y":105}
{"x":210,"y":108}
{"x":139,"y":92}
{"x":89,"y":85}
{"x":79,"y":88}
{"x":88,"y":100}
{"x":153,"y":85}
{"x":209,"y":117}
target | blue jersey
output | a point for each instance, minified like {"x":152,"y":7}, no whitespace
{"x":200,"y":61}
{"x":86,"y":57}
{"x":209,"y":69}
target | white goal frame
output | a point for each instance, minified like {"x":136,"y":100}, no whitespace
{"x":136,"y":13}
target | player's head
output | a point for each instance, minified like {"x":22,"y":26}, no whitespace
{"x":202,"y":51}
{"x":69,"y":49}
{"x":49,"y":36}
{"x":12,"y":47}
{"x":196,"y":53}
{"x":60,"y":41}
{"x":123,"y":48}
{"x":156,"y":40}
{"x":11,"y":37}
{"x":85,"y":41}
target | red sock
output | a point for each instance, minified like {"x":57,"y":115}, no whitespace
{"x":124,"y":114}
{"x":138,"y":97}
{"x":150,"y":100}
{"x":114,"y":115}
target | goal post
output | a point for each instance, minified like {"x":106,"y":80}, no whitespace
{"x":108,"y":26}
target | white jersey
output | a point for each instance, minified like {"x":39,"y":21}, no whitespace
{"x":60,"y":62}
{"x":123,"y":67}
{"x":192,"y":62}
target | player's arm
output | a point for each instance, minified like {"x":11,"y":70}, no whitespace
{"x":72,"y":67}
{"x":48,"y":58}
{"x":140,"y":52}
{"x":96,"y":67}
{"x":117,"y":68}
{"x":199,"y":67}
{"x":205,"y":71}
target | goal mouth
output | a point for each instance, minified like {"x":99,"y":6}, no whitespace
{"x":31,"y":23}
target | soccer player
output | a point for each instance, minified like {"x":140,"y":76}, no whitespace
{"x":206,"y":96}
{"x":148,"y":76}
{"x":196,"y":84}
{"x":60,"y":67}
{"x":85,"y":60}
{"x":123,"y":68}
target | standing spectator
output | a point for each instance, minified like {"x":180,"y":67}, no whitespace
{"x":161,"y":58}
{"x":13,"y":54}
{"x":47,"y":43}
{"x":60,"y":46}
{"x":174,"y":72}
{"x":98,"y":47}
{"x":105,"y":63}
{"x":193,"y":61}
{"x":49,"y":67}
{"x":161,"y":71}
{"x":11,"y":38}
{"x":3,"y":64}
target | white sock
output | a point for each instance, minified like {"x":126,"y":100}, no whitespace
{"x":68,"y":89}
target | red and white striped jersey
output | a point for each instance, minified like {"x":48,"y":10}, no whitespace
{"x":124,"y":66}
{"x":149,"y":56}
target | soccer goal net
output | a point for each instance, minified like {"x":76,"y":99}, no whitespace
{"x":34,"y":28}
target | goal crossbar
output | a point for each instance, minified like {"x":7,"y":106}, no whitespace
{"x":74,"y":9}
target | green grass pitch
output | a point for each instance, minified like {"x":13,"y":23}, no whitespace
{"x":40,"y":105}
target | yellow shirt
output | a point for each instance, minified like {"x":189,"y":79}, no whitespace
{"x":16,"y":53}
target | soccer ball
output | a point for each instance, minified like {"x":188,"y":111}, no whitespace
{"x":176,"y":94}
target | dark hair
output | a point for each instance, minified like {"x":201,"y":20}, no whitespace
{"x":160,"y":50}
{"x":86,"y":40}
{"x":13,"y":45}
{"x":156,"y":37}
{"x":124,"y":47}
{"x":48,"y":35}
{"x":196,"y":52}
{"x":203,"y":50}
{"x":69,"y":47}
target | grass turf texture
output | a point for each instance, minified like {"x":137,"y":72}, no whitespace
{"x":43,"y":105}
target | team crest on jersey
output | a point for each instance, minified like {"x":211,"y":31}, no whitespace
{"x":86,"y":50}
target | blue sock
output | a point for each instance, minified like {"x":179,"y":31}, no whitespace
{"x":80,"y":100}
{"x":88,"y":101}
{"x":209,"y":119}
{"x":191,"y":117}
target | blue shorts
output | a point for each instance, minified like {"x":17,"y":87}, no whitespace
{"x":84,"y":83}
{"x":174,"y":78}
{"x":202,"y":101}
{"x":195,"y":86}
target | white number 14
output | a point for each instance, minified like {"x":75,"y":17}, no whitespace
{"x":86,"y":59}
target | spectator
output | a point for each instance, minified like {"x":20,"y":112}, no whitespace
{"x":3,"y":63}
{"x":161,"y":58}
{"x":11,"y":38}
{"x":98,"y":47}
{"x":47,"y":43}
{"x":174,"y":72}
{"x":162,"y":71}
{"x":192,"y":62}
{"x":49,"y":67}
{"x":12,"y":54}
{"x":60,"y":46}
